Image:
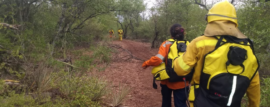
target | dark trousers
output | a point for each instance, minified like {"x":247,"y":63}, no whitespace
{"x":179,"y":96}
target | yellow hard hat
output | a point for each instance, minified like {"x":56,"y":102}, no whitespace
{"x":223,"y":10}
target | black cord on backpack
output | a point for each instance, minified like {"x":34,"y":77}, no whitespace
{"x":186,"y":92}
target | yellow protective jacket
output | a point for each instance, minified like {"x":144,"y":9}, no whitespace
{"x":200,"y":46}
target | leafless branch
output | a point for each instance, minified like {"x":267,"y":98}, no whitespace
{"x":232,"y":1}
{"x":67,"y":64}
{"x":97,"y":14}
{"x":89,"y":17}
{"x":200,"y":4}
{"x":15,"y":27}
{"x":120,"y":23}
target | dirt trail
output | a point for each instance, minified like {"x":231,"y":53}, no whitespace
{"x":127,"y":70}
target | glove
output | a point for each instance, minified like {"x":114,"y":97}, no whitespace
{"x":144,"y":65}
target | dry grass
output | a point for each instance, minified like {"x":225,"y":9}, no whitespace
{"x":119,"y":95}
{"x":38,"y":77}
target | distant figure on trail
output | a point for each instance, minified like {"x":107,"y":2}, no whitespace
{"x":178,"y":86}
{"x":223,"y":61}
{"x":120,"y":33}
{"x":111,"y":33}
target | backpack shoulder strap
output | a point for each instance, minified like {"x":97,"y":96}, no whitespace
{"x":251,"y":45}
{"x":219,"y":41}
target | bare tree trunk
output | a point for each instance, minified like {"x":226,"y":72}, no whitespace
{"x":125,"y":31}
{"x":153,"y":42}
{"x":137,"y":24}
{"x":60,"y":28}
{"x":132,"y":28}
{"x":156,"y":35}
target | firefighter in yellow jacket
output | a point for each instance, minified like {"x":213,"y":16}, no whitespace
{"x":120,"y":33}
{"x":224,"y":63}
{"x":111,"y":32}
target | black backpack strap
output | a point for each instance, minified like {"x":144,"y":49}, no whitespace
{"x":228,"y":63}
{"x":154,"y":83}
{"x":219,"y":42}
{"x":251,"y":45}
{"x":246,"y":42}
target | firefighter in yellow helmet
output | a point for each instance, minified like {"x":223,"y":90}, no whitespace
{"x":224,"y":63}
{"x":111,"y":32}
{"x":120,"y":33}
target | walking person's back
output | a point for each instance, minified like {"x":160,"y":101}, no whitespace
{"x":111,"y":32}
{"x":224,"y":62}
{"x":172,"y":85}
{"x":120,"y":33}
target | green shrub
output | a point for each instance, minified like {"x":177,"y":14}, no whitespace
{"x":265,"y":92}
{"x":9,"y":98}
{"x":84,"y":91}
{"x":102,"y":54}
{"x":17,"y":100}
{"x":84,"y":62}
{"x":80,"y":90}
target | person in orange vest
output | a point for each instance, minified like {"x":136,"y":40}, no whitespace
{"x":169,"y":88}
{"x":224,"y":63}
{"x":111,"y":32}
{"x":120,"y":33}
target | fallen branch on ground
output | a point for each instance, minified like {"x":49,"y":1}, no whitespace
{"x":67,"y":64}
{"x":132,"y":56}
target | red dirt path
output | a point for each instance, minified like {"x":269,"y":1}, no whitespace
{"x":128,"y":71}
